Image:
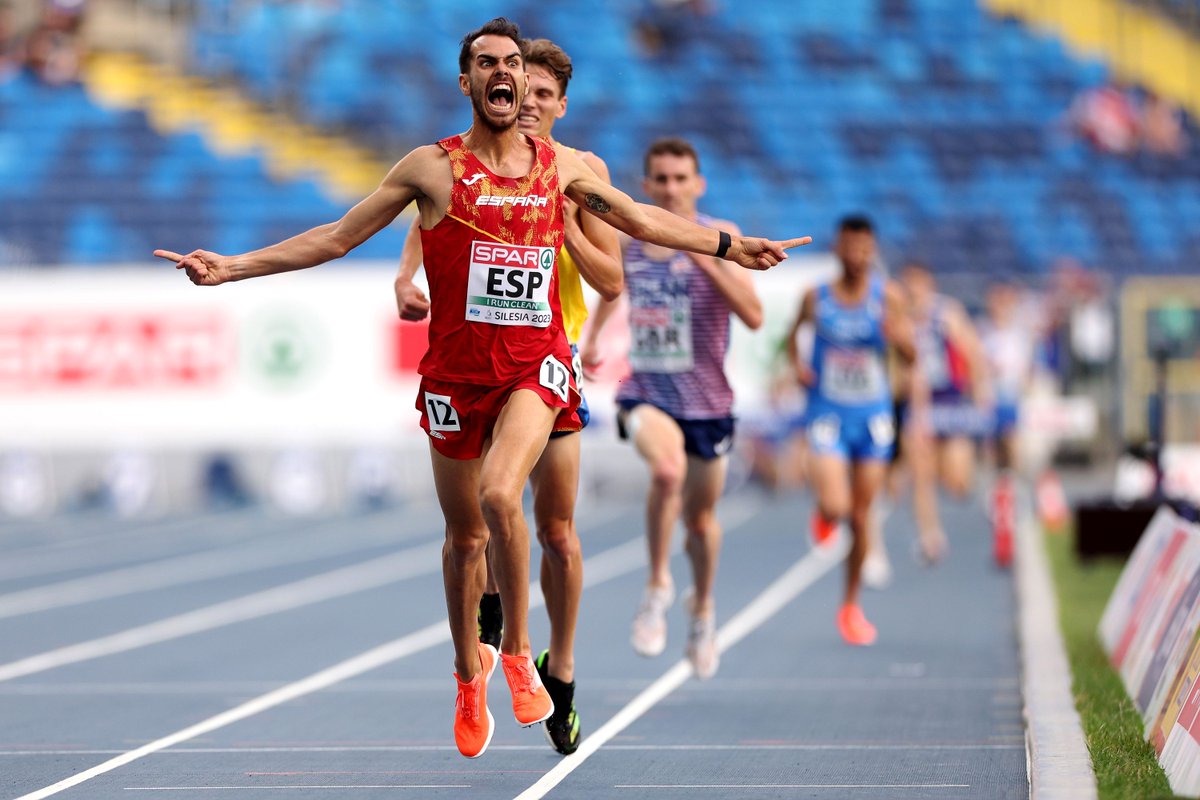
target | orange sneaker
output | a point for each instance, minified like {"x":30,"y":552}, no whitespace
{"x":473,"y":722}
{"x":854,"y":626}
{"x":822,"y":532}
{"x":531,"y":702}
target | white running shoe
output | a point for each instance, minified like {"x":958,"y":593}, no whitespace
{"x":701,"y":647}
{"x":877,"y":570}
{"x":649,"y":635}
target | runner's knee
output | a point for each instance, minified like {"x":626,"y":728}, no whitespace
{"x":860,"y":517}
{"x":700,"y":524}
{"x":559,"y":539}
{"x":667,"y":473}
{"x":957,"y":483}
{"x":496,"y":502}
{"x":465,"y":546}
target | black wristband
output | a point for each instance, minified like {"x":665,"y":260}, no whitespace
{"x":723,"y":247}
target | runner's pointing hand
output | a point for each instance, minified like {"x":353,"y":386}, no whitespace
{"x":202,"y":267}
{"x":761,"y":254}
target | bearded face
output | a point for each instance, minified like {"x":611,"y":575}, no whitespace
{"x":496,"y":81}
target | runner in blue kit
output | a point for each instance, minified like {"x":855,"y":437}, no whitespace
{"x":676,"y":405}
{"x":849,"y":415}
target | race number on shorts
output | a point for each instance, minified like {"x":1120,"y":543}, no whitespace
{"x":510,"y":284}
{"x":882,"y":429}
{"x":555,"y":377}
{"x":441,"y":413}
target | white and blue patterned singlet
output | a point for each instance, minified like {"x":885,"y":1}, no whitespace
{"x":679,"y":325}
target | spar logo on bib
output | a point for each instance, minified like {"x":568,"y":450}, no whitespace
{"x":510,"y":284}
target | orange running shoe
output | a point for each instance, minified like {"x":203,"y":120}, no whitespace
{"x":531,"y":702}
{"x":854,"y":626}
{"x":822,"y":532}
{"x":1003,"y":521}
{"x":473,"y":722}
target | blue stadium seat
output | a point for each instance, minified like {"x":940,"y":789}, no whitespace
{"x":944,"y":121}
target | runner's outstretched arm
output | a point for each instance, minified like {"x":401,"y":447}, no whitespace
{"x":659,"y":226}
{"x":593,"y":244}
{"x":406,"y":181}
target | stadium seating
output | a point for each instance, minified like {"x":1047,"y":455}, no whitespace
{"x":946,"y":123}
{"x":81,"y":184}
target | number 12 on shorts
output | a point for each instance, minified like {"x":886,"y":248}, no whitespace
{"x":555,"y":377}
{"x":442,"y":415}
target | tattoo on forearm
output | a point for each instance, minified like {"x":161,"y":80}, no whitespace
{"x":597,"y":203}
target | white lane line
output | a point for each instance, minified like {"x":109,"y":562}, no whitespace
{"x":225,"y":523}
{"x":321,"y":786}
{"x":792,"y":786}
{"x":428,"y":637}
{"x":310,"y":545}
{"x":420,"y":560}
{"x":211,"y":531}
{"x":782,"y":591}
{"x":393,"y":687}
{"x":431,"y":748}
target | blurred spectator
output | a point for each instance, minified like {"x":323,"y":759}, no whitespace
{"x":1082,"y":326}
{"x":1107,"y":118}
{"x":665,"y":27}
{"x":1161,"y":128}
{"x":54,"y":48}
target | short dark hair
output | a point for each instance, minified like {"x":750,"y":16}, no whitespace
{"x":856,"y":223}
{"x":546,"y":53}
{"x":500,"y":26}
{"x":671,"y":146}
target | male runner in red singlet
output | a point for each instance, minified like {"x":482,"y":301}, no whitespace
{"x":496,"y":379}
{"x":592,"y":252}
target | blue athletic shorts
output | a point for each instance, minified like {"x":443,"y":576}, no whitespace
{"x":703,"y":438}
{"x":585,"y":413}
{"x":1005,"y":419}
{"x":855,"y":434}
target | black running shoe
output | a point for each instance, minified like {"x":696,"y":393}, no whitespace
{"x":562,"y":727}
{"x":490,"y":620}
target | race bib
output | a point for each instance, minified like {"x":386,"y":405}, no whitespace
{"x":882,"y":429}
{"x":852,"y":376}
{"x":510,"y":284}
{"x":662,"y":338}
{"x":824,"y":431}
{"x":577,"y":368}
{"x":555,"y":377}
{"x":442,"y":415}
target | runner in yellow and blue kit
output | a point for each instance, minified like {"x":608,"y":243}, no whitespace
{"x":849,"y":415}
{"x":591,"y":252}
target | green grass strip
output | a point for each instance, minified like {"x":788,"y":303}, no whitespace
{"x":1124,"y":762}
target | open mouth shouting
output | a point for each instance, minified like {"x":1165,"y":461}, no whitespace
{"x":501,"y":97}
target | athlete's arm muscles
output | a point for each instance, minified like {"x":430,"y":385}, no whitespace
{"x":734,"y":284}
{"x":897,"y":324}
{"x":594,"y":245}
{"x":409,"y":179}
{"x":805,"y":316}
{"x":411,"y":302}
{"x":656,"y":225}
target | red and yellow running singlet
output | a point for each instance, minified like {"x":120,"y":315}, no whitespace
{"x":493,"y":286}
